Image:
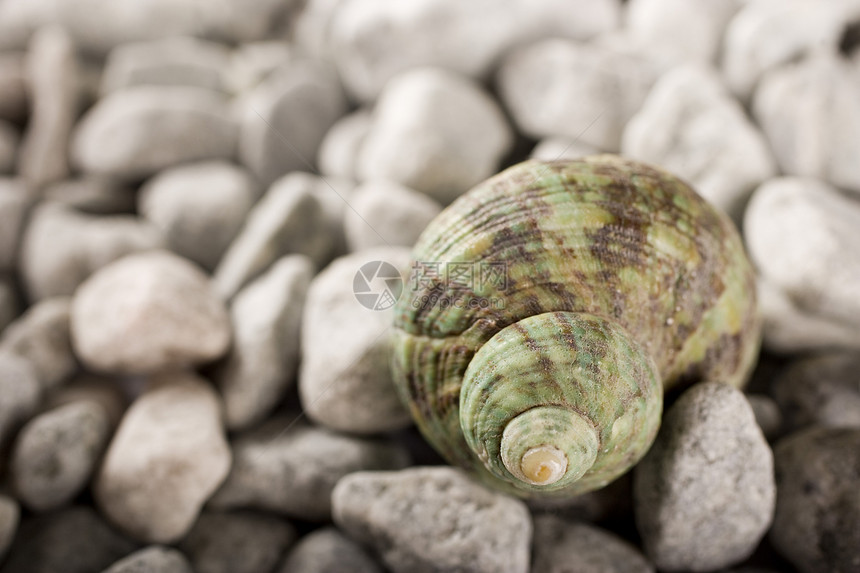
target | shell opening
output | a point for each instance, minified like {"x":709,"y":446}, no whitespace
{"x":543,"y":465}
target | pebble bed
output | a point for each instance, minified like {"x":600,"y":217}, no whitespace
{"x":188,"y":382}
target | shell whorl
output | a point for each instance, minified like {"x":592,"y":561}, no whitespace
{"x":619,"y":281}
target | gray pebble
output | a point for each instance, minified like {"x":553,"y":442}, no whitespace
{"x":73,"y":540}
{"x":21,"y":393}
{"x":767,"y":414}
{"x":338,"y":153}
{"x":13,"y":91}
{"x":148,"y":312}
{"x":817,"y":522}
{"x":9,"y":303}
{"x":436,"y":132}
{"x":562,"y":546}
{"x":167,"y":458}
{"x":86,"y":387}
{"x":262,"y":363}
{"x":62,"y":247}
{"x":327,"y":550}
{"x":200,"y":207}
{"x":284,"y":119}
{"x":251,"y":63}
{"x":555,"y":148}
{"x":136,"y":132}
{"x":10,"y":515}
{"x":153,"y":559}
{"x":93,"y":195}
{"x":434,"y":520}
{"x":15,"y":203}
{"x":55,"y":454}
{"x":41,"y":336}
{"x":292,"y":469}
{"x":289,"y":219}
{"x":9,"y":139}
{"x":238,"y":542}
{"x":704,"y":494}
{"x":345,"y":379}
{"x":386,"y":213}
{"x":821,"y":390}
{"x":176,"y":61}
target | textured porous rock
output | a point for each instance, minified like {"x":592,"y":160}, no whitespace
{"x":292,"y":469}
{"x":285,"y":118}
{"x":555,"y":148}
{"x":10,"y":514}
{"x":21,"y":393}
{"x":345,"y":379}
{"x":199,"y":208}
{"x":153,"y":559}
{"x":13,"y":91}
{"x":817,"y":520}
{"x":327,"y":550}
{"x":94,"y":195}
{"x":9,"y":140}
{"x":62,"y":247}
{"x":704,"y":494}
{"x":136,"y":132}
{"x":56,"y":453}
{"x":167,"y":458}
{"x":238,"y":542}
{"x":262,"y":363}
{"x":434,"y":520}
{"x":386,"y":213}
{"x":338,"y":153}
{"x":14,"y":206}
{"x":538,"y":82}
{"x":692,"y":126}
{"x":436,"y":132}
{"x":148,"y":312}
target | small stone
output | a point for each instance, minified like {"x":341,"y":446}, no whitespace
{"x":386,"y":213}
{"x":820,"y":390}
{"x":200,"y":208}
{"x":169,"y":62}
{"x":167,"y":458}
{"x":153,"y":559}
{"x":21,"y":394}
{"x":93,"y":195}
{"x":767,"y":414}
{"x":56,"y":452}
{"x":345,"y":379}
{"x":704,"y":494}
{"x":9,"y":139}
{"x":289,"y":219}
{"x":262,"y":363}
{"x":692,"y":126}
{"x":538,"y":82}
{"x":239,"y":542}
{"x":62,"y":247}
{"x":555,"y":148}
{"x":311,"y":27}
{"x":292,"y":468}
{"x":13,"y":90}
{"x":133,"y":133}
{"x":10,"y":514}
{"x":87,"y":387}
{"x":434,"y":519}
{"x":327,"y":550}
{"x":53,"y":87}
{"x":73,"y":540}
{"x":338,"y":153}
{"x":14,"y":207}
{"x":817,"y":520}
{"x":810,"y":115}
{"x":146,"y":313}
{"x":285,"y":118}
{"x":41,"y":336}
{"x":804,"y":238}
{"x":9,"y":303}
{"x":436,"y":132}
{"x":251,"y":63}
{"x":608,"y":504}
{"x":561,"y":546}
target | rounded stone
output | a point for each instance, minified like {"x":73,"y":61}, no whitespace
{"x":153,"y":559}
{"x":327,"y":550}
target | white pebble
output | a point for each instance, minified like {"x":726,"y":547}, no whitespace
{"x":338,"y":154}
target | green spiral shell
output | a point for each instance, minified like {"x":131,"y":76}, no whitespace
{"x":550,"y":307}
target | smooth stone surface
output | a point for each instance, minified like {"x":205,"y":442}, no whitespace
{"x":817,"y":520}
{"x":134,"y":133}
{"x":692,"y":126}
{"x":13,"y":91}
{"x":561,"y":546}
{"x":85,"y":387}
{"x":73,"y":540}
{"x":21,"y":393}
{"x":386,"y":213}
{"x":810,"y":115}
{"x":148,"y":312}
{"x":327,"y":550}
{"x":9,"y":139}
{"x":251,"y":63}
{"x":238,"y":542}
{"x":262,"y":363}
{"x":284,"y":119}
{"x":436,"y":132}
{"x":153,"y":559}
{"x":338,"y":152}
{"x":537,"y":83}
{"x":767,"y":414}
{"x":345,"y":380}
{"x":166,"y":459}
{"x":291,"y":469}
{"x":10,"y":515}
{"x":14,"y":206}
{"x":9,"y":302}
{"x":62,"y":247}
{"x":56,"y":453}
{"x":200,"y":208}
{"x":555,"y":148}
{"x":93,"y":195}
{"x":41,"y":336}
{"x":434,"y":519}
{"x":704,"y":494}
